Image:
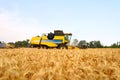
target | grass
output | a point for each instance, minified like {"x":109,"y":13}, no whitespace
{"x":54,"y":64}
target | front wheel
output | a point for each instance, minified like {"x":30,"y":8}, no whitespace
{"x":42,"y":47}
{"x":62,"y":46}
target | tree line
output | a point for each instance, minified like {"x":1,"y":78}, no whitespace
{"x":93,"y":44}
{"x":75,"y":42}
{"x":24,"y":43}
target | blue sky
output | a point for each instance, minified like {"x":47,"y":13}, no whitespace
{"x":86,"y":19}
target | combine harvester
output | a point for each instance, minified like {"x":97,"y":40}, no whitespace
{"x":58,"y":39}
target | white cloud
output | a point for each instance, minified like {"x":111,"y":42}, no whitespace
{"x":13,"y":27}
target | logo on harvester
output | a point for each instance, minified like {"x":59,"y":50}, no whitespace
{"x":36,"y":40}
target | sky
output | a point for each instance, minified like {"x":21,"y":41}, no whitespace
{"x":85,"y":19}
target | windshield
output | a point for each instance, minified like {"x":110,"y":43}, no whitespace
{"x":68,"y":37}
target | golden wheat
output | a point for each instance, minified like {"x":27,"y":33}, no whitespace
{"x":54,"y":64}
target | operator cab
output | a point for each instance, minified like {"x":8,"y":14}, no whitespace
{"x":61,"y":33}
{"x":58,"y":33}
{"x":68,"y":36}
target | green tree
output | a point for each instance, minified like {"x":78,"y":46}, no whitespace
{"x":82,"y":44}
{"x":92,"y":44}
{"x":95,"y":44}
{"x":24,"y":43}
{"x":115,"y":45}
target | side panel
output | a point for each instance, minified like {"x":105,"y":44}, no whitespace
{"x":35,"y":40}
{"x":45,"y":41}
{"x":51,"y":43}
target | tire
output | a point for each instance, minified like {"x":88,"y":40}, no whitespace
{"x":62,"y":46}
{"x":42,"y":47}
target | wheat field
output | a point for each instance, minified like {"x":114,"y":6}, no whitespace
{"x":55,"y":64}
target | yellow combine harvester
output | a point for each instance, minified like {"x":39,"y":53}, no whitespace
{"x":7,"y":45}
{"x":58,"y":39}
{"x":10,"y":45}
